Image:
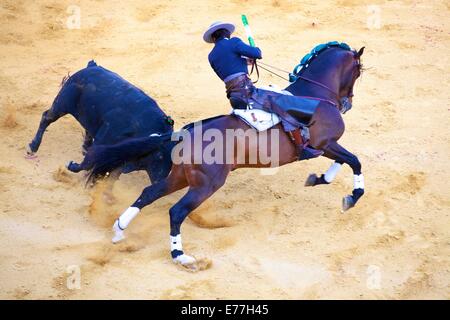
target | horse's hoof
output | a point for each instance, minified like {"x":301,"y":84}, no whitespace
{"x":118,"y":233}
{"x":347,"y":203}
{"x":184,"y":259}
{"x":191,"y":264}
{"x":187,"y":262}
{"x":311,"y":180}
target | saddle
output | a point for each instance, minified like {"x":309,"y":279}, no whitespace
{"x":296,"y":111}
{"x":263,"y":109}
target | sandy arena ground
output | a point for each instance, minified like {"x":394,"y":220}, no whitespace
{"x":266,"y":235}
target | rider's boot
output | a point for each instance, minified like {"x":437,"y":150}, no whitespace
{"x":305,"y":152}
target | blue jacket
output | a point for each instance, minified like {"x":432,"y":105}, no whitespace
{"x":225,"y":58}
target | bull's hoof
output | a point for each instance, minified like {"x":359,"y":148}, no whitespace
{"x":118,"y":233}
{"x":29,"y":151}
{"x":347,"y":203}
{"x":311,"y":180}
{"x":73,"y":166}
{"x":31,"y":155}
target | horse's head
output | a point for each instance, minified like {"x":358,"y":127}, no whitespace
{"x":351,"y":70}
{"x":332,"y":75}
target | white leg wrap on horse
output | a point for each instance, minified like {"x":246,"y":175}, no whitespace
{"x":126,"y":217}
{"x":175,"y":243}
{"x":358,"y":182}
{"x":332,"y":172}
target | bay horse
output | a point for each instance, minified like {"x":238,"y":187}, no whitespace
{"x":330,"y":77}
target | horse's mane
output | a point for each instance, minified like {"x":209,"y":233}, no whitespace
{"x":306,"y":61}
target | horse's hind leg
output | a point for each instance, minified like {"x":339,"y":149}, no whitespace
{"x":191,"y":200}
{"x":63,"y":104}
{"x":202,"y":186}
{"x":175,"y":181}
{"x":338,"y":153}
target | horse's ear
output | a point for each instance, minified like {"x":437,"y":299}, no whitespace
{"x":360,"y":52}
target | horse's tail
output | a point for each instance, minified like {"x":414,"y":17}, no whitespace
{"x":105,"y":158}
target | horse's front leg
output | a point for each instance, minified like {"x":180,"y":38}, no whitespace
{"x":341,"y":155}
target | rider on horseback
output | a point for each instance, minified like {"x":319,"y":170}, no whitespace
{"x":229,"y":59}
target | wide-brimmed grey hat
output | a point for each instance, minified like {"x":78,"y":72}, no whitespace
{"x":216,"y":26}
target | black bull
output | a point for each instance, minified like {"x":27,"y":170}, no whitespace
{"x":111,"y":110}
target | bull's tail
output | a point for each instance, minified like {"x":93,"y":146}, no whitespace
{"x":105,"y":158}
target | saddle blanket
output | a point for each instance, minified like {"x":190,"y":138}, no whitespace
{"x":258,"y":119}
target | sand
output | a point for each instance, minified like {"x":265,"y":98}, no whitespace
{"x":266,"y":236}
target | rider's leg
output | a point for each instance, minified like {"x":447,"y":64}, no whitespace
{"x":305,"y":151}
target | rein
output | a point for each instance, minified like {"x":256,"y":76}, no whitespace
{"x":320,"y":85}
{"x":274,"y":73}
{"x":255,"y":67}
